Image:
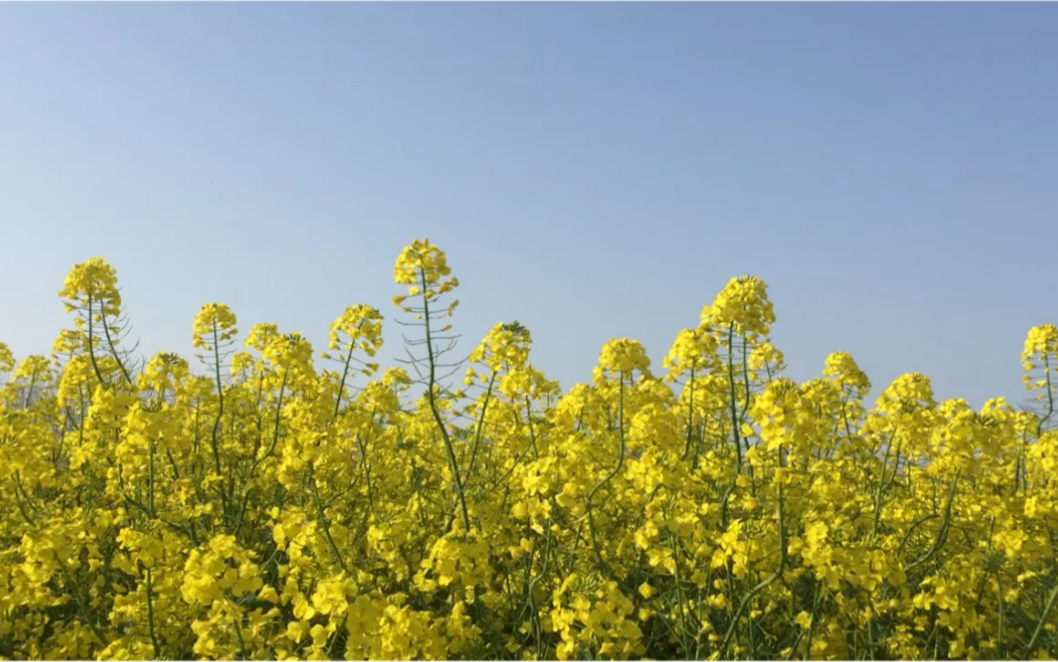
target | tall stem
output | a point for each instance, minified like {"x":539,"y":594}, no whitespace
{"x":216,"y":422}
{"x":731,"y":384}
{"x":432,"y":397}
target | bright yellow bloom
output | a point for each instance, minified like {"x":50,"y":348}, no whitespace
{"x":270,"y":509}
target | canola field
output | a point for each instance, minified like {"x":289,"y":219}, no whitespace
{"x":266,"y":500}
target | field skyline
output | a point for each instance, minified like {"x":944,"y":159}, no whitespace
{"x":593,"y":171}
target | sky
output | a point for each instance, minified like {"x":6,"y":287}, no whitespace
{"x":591,"y":170}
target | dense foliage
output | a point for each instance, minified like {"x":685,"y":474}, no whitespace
{"x":269,"y":508}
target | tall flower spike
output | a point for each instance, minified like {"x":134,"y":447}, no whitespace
{"x":744,"y":303}
{"x":1041,"y":351}
{"x":214,"y":318}
{"x":92,"y":283}
{"x":504,"y":345}
{"x":423,"y":264}
{"x":621,"y":357}
{"x":842,"y":370}
{"x":693,"y":349}
{"x":362,"y":326}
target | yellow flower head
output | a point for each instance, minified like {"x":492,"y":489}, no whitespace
{"x":214,"y":325}
{"x":71,"y":341}
{"x":527,"y":381}
{"x":1042,"y":339}
{"x":841,"y":369}
{"x":622,"y":356}
{"x":76,"y":379}
{"x":743,"y":303}
{"x":908,"y":397}
{"x":693,"y":349}
{"x":362,"y":326}
{"x":396,"y":377}
{"x":34,"y":368}
{"x":423,"y":265}
{"x":92,"y":286}
{"x":7,"y":359}
{"x":292,"y":352}
{"x":217,"y":569}
{"x":1041,"y":351}
{"x":165,"y":371}
{"x":778,"y":410}
{"x":766,"y":356}
{"x":505,"y":345}
{"x":241,"y":363}
{"x":261,"y":335}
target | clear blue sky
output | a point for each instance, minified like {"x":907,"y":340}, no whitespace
{"x":891,"y":170}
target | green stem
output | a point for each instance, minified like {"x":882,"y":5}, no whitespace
{"x":942,"y":533}
{"x":326,"y":526}
{"x":91,"y":345}
{"x":216,"y":422}
{"x":150,"y":616}
{"x":731,"y":385}
{"x":480,"y":426}
{"x":1043,"y":621}
{"x":432,"y":397}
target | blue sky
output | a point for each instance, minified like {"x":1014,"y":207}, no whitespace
{"x":592,"y":170}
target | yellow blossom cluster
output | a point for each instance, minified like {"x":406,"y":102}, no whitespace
{"x":265,"y":508}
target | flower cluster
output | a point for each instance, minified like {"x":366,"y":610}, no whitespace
{"x":269,"y":509}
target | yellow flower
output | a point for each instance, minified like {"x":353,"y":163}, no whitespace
{"x":742,"y":305}
{"x":283,"y":512}
{"x":214,"y":325}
